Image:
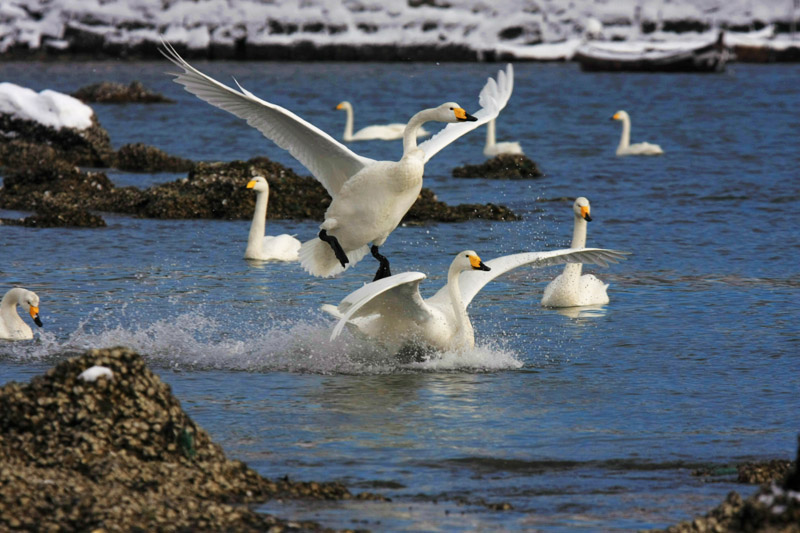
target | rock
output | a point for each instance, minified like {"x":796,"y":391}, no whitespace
{"x":428,"y":208}
{"x":140,"y":157}
{"x":69,"y":448}
{"x":503,"y":166}
{"x":764,"y":472}
{"x":90,"y":147}
{"x":50,"y":217}
{"x":117,"y":93}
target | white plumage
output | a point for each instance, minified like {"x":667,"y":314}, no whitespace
{"x":12,"y":327}
{"x":625,"y":147}
{"x":493,"y":148}
{"x":94,"y":372}
{"x":266,"y":247}
{"x":380,"y":132}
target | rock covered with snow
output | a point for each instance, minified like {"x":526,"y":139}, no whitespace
{"x":49,"y":108}
{"x":358,"y":29}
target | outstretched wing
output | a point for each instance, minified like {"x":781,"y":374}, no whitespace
{"x":328,"y":160}
{"x":493,"y":98}
{"x":471,"y":282}
{"x":394,"y":298}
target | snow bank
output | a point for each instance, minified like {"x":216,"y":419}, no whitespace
{"x":49,"y":108}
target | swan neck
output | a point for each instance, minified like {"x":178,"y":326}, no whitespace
{"x":348,"y":125}
{"x":625,"y":138}
{"x":258,"y":224}
{"x":463,"y":325}
{"x":579,"y":233}
{"x":410,"y":133}
{"x":8,"y":308}
{"x":490,"y":135}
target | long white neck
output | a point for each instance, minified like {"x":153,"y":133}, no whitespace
{"x":490,"y":136}
{"x":625,"y":139}
{"x":410,"y":133}
{"x":463,"y":325}
{"x":255,"y":241}
{"x":348,"y":125}
{"x":8,"y":312}
{"x":578,"y":241}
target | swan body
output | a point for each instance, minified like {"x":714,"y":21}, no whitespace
{"x":265,"y":247}
{"x":493,"y":148}
{"x":570,"y":288}
{"x":11,"y":325}
{"x":369,"y":197}
{"x":393,"y":312}
{"x":384,"y":132}
{"x":625,"y":147}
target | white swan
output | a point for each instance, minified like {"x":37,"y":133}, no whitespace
{"x":392,"y":310}
{"x":492,"y":148}
{"x":11,"y":325}
{"x":369,"y":197}
{"x":625,"y":147}
{"x":571,"y":288}
{"x":384,"y":132}
{"x":265,"y":247}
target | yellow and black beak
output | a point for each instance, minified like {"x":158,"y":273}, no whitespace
{"x":35,"y":316}
{"x":585,"y":213}
{"x":463,"y":116}
{"x":338,"y":106}
{"x":477,"y":264}
{"x":251,"y":184}
{"x":615,"y":116}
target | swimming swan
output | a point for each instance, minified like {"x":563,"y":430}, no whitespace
{"x":385,"y":132}
{"x":392,"y":310}
{"x":571,"y":289}
{"x":12,"y":327}
{"x":265,"y":247}
{"x":369,"y":197}
{"x":625,"y":147}
{"x":492,"y":148}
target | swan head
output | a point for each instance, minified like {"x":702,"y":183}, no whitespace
{"x":582,"y":208}
{"x":258,"y":184}
{"x":620,"y":115}
{"x":344,"y":105}
{"x":468,"y":260}
{"x":451,"y":112}
{"x":29,"y":301}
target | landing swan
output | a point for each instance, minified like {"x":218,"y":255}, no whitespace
{"x":393,"y":312}
{"x":385,"y":132}
{"x":625,"y":147}
{"x":12,"y":327}
{"x":369,"y":197}
{"x":571,"y":289}
{"x":265,"y":247}
{"x":492,"y":148}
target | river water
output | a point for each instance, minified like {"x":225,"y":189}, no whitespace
{"x":591,"y":419}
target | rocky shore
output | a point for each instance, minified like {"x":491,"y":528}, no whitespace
{"x":502,"y":167}
{"x":118,"y":453}
{"x":42,"y":172}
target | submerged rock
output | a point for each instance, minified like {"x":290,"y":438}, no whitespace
{"x":503,"y":166}
{"x":49,"y":217}
{"x":139,"y":157}
{"x":109,"y":92}
{"x":120,"y":454}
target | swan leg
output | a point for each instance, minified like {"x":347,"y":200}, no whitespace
{"x":337,"y":248}
{"x":383,"y":269}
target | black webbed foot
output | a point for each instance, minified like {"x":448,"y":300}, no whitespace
{"x":337,"y":248}
{"x":383,"y":269}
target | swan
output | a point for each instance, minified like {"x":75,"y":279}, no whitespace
{"x":571,"y":289}
{"x":386,"y":132}
{"x":392,"y":310}
{"x":625,"y":147}
{"x":369,"y":198}
{"x":492,"y":148}
{"x":11,"y":325}
{"x":265,"y":247}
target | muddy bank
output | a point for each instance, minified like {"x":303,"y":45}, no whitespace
{"x":120,"y":454}
{"x":503,"y":167}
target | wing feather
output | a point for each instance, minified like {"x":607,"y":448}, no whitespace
{"x":492,"y":99}
{"x":328,"y":160}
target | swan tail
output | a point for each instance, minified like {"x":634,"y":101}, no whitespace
{"x":318,"y":259}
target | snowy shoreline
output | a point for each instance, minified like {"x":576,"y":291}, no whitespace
{"x":363,"y":30}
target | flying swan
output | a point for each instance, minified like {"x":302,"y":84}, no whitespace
{"x":369,"y":198}
{"x":570,"y":289}
{"x":492,"y":148}
{"x":393,"y":312}
{"x":266,"y":247}
{"x":625,"y":147}
{"x":12,"y":328}
{"x":384,"y":132}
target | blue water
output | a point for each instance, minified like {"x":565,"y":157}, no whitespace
{"x":587,"y":420}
